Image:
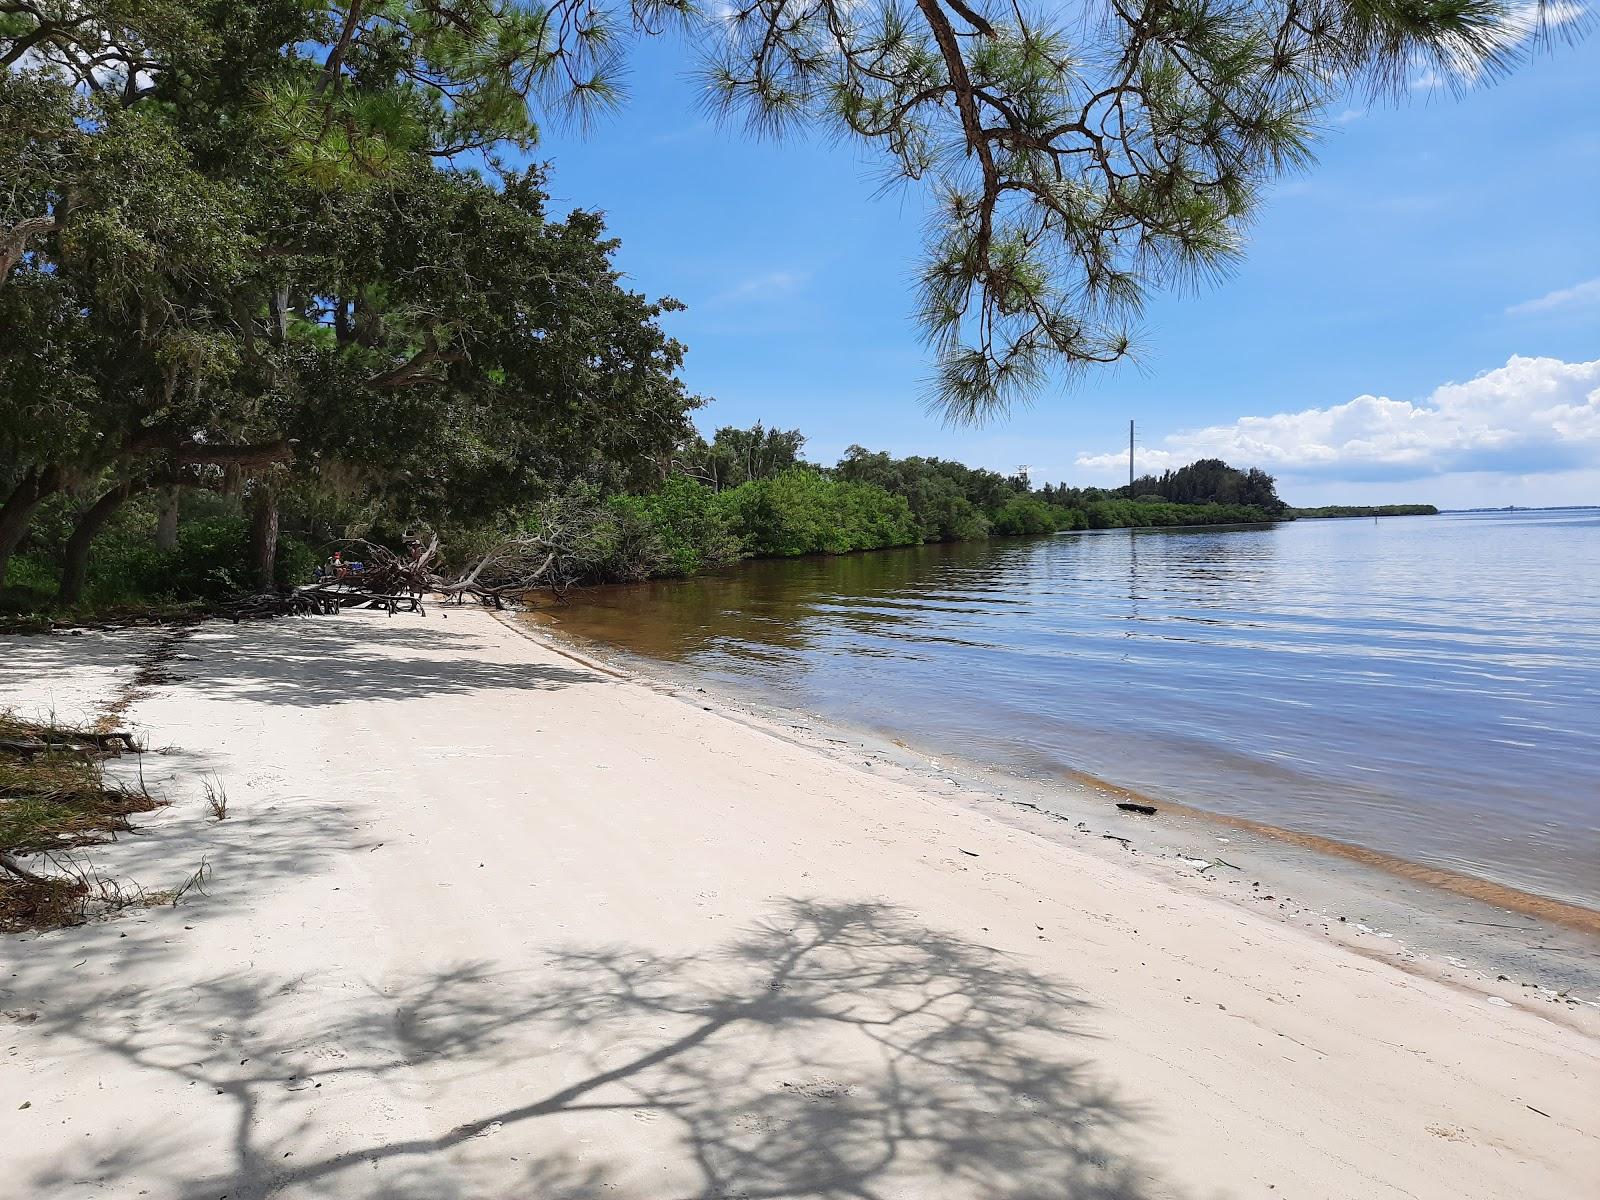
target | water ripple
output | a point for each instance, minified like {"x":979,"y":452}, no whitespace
{"x":1427,"y":687}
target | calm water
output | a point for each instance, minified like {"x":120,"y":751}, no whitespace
{"x":1425,"y":686}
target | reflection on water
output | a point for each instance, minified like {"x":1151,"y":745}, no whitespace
{"x":1428,"y":687}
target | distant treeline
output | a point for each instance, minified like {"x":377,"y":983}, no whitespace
{"x":1367,"y":510}
{"x":748,"y":493}
{"x":744,"y":493}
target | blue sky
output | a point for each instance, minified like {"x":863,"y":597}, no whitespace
{"x":1446,"y":240}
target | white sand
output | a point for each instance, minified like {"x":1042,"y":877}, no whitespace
{"x":486,"y":923}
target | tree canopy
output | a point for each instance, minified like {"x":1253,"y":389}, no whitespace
{"x":1078,"y":156}
{"x":735,"y":456}
{"x":1211,"y":481}
{"x":206,"y":290}
{"x":271,"y":246}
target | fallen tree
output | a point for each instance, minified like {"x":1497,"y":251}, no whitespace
{"x":554,"y":556}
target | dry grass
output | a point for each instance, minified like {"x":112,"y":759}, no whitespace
{"x":50,"y":803}
{"x":216,"y":797}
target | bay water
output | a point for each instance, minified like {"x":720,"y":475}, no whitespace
{"x":1427,"y":687}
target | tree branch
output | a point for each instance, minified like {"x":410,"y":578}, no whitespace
{"x":260,"y":454}
{"x":410,"y":371}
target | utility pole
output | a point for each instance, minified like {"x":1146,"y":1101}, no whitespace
{"x":1130,"y":458}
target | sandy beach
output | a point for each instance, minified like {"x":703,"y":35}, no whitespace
{"x":487,"y":921}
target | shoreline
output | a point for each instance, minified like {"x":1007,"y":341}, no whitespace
{"x":483,"y":920}
{"x":1397,"y":891}
{"x":1453,"y":744}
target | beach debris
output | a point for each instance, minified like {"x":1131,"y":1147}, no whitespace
{"x":1144,"y":810}
{"x":1529,"y":1107}
{"x":80,"y":742}
{"x":973,"y":853}
{"x":1199,"y":864}
{"x":1499,"y":1002}
{"x":1114,"y":838}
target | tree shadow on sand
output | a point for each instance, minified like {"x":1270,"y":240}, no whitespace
{"x":314,"y":662}
{"x":833,"y":1050}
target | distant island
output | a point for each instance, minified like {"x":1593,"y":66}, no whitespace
{"x":1528,"y":508}
{"x":1366,"y":510}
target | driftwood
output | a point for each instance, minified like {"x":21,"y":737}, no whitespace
{"x":319,"y":600}
{"x":549,"y":557}
{"x":521,"y":562}
{"x":13,"y":867}
{"x":83,"y":742}
{"x":287,"y":602}
{"x":335,"y":597}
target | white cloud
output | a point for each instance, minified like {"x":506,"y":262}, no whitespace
{"x":1579,"y":295}
{"x":1532,"y":416}
{"x":769,"y":286}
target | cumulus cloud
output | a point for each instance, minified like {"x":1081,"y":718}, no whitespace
{"x":1532,"y":415}
{"x":1579,"y":295}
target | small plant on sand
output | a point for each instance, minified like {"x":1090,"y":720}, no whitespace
{"x":216,"y":797}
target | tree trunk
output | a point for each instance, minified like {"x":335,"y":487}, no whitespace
{"x":167,"y":520}
{"x":75,"y":559}
{"x":264,"y":535}
{"x":17,"y":512}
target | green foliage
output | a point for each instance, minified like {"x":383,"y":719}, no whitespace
{"x":804,"y":512}
{"x":952,"y":502}
{"x":30,"y":583}
{"x":1149,"y":511}
{"x":736,"y":456}
{"x":685,"y":530}
{"x":1211,"y":481}
{"x":211,"y":562}
{"x":1073,"y":164}
{"x":1028,"y":515}
{"x":235,"y":243}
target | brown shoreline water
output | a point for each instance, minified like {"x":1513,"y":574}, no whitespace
{"x":1499,"y":895}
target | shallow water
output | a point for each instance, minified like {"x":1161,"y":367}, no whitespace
{"x":1426,"y":686}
